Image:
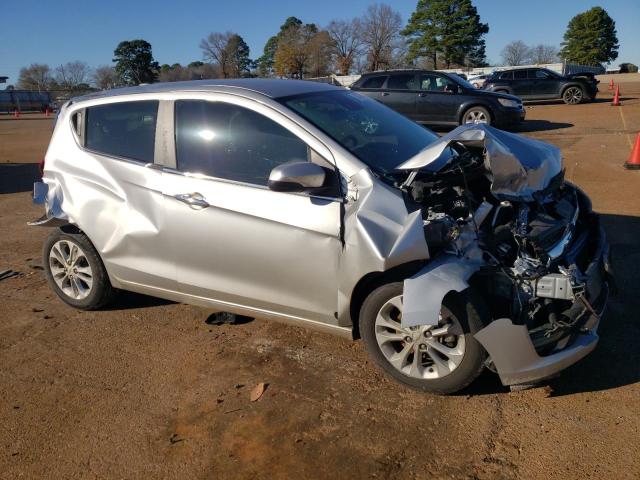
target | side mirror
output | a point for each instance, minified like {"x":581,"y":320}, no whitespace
{"x":449,"y":88}
{"x":297,"y":176}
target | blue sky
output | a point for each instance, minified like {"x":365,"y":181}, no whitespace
{"x":56,"y":32}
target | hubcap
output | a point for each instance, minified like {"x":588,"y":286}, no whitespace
{"x":423,"y":352}
{"x":70,"y":269}
{"x":573,"y":95}
{"x":476,"y":116}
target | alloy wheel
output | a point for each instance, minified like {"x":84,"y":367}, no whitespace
{"x":422,"y":352}
{"x":572,"y":95}
{"x":70,"y":269}
{"x":476,"y":116}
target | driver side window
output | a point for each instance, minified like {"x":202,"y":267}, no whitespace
{"x":227,"y":141}
{"x":436,"y":83}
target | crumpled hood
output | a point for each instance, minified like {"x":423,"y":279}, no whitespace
{"x":518,"y":166}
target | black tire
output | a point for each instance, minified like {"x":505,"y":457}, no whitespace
{"x":479,"y":111}
{"x":100,"y":292}
{"x":571,"y":93}
{"x":467,"y":311}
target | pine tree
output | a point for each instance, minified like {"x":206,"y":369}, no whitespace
{"x":446,"y":30}
{"x":590,"y":38}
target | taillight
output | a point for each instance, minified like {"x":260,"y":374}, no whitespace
{"x":41,"y":167}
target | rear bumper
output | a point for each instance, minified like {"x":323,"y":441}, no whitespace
{"x":510,"y":346}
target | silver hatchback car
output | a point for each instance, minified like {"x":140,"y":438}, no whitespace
{"x":314,"y":205}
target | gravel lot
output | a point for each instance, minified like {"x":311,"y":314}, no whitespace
{"x":152,"y":389}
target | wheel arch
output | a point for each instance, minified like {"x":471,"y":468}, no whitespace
{"x":572,"y":84}
{"x":372,"y":280}
{"x":464,"y":108}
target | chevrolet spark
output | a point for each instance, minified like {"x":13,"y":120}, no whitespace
{"x":317,"y":206}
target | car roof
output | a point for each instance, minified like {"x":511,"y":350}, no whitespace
{"x":392,"y":72}
{"x":270,"y":87}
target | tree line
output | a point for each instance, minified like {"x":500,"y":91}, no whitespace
{"x":439,"y":34}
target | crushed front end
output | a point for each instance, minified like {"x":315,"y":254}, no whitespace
{"x":499,"y":218}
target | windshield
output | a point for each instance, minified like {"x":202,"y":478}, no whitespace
{"x":375,"y":134}
{"x":461,"y":81}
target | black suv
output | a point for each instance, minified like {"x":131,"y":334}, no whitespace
{"x":543,"y":84}
{"x":439,"y":98}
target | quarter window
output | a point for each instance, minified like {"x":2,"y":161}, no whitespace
{"x":374,"y":82}
{"x":125,"y":129}
{"x":231,"y":142}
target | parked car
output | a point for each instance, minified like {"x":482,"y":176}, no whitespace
{"x":544,"y":84}
{"x":479,"y":80}
{"x":438,"y":98}
{"x":315,"y":205}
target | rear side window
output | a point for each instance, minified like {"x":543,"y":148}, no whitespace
{"x":126,"y":129}
{"x":520,"y":74}
{"x":227,"y":141}
{"x":374,"y":82}
{"x":402,"y":82}
{"x":506,"y":76}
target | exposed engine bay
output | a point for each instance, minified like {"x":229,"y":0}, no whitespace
{"x":529,"y":252}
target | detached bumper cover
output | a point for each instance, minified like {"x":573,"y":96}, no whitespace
{"x":51,"y":198}
{"x":510,"y":346}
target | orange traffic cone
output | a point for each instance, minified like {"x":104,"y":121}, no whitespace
{"x":616,"y":97}
{"x":634,"y":160}
{"x":611,"y":84}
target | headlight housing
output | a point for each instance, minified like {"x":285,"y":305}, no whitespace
{"x":505,"y":102}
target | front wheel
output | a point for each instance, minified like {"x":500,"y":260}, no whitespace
{"x":75,"y":271}
{"x":573,"y":96}
{"x":477,"y":115}
{"x":439,"y":359}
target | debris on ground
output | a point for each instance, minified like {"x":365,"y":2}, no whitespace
{"x":227,"y":318}
{"x":4,"y":274}
{"x":257,"y":391}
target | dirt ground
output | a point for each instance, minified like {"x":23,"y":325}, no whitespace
{"x":151,"y":389}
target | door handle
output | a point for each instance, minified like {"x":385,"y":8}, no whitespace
{"x":422,"y":94}
{"x":194,"y":200}
{"x":384,"y":94}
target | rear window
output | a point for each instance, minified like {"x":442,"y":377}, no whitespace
{"x":520,"y":74}
{"x":374,"y":82}
{"x":402,"y":82}
{"x":126,"y":129}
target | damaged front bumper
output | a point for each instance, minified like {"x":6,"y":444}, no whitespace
{"x":512,"y":351}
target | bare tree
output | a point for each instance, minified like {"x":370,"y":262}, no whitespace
{"x":105,"y":77}
{"x":515,"y":53}
{"x":72,"y":74}
{"x":36,"y":76}
{"x":380,"y":35}
{"x":227,"y":50}
{"x":346,"y":43}
{"x":543,"y":54}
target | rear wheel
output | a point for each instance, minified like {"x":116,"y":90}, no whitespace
{"x":75,"y":271}
{"x":439,"y":359}
{"x":573,"y":96}
{"x":477,"y":115}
